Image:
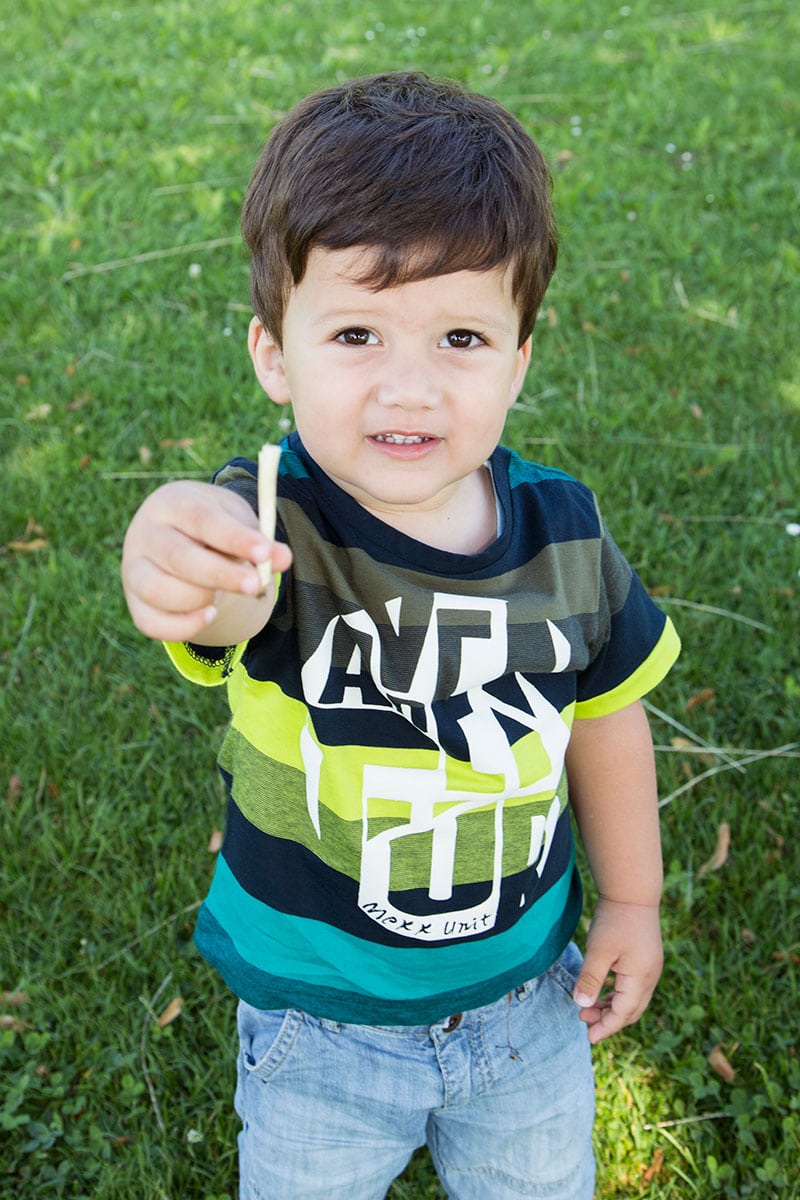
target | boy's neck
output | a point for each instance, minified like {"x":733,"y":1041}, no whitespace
{"x":465,"y":525}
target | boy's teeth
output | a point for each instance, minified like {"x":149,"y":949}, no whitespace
{"x":402,"y":439}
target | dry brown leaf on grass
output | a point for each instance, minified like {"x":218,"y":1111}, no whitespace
{"x":7,"y":1020}
{"x":720,"y":1063}
{"x":720,"y":855}
{"x":13,"y":999}
{"x":655,"y":1166}
{"x":704,"y":696}
{"x":28,"y":541}
{"x":682,"y":743}
{"x":171,"y":1012}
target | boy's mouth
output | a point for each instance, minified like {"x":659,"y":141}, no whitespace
{"x":403,"y":439}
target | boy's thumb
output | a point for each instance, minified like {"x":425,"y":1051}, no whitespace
{"x":587,"y":989}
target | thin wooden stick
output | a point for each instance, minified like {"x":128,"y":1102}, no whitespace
{"x":268,"y":459}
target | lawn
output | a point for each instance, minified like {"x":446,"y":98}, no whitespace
{"x":666,"y":373}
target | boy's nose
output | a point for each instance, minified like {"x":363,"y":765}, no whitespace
{"x":408,"y":384}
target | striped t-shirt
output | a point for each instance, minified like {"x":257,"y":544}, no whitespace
{"x":398,"y":845}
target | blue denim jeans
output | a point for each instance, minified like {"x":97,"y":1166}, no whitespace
{"x":503,"y":1095}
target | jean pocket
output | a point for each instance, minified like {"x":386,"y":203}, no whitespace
{"x":566,"y":969}
{"x":266,"y":1038}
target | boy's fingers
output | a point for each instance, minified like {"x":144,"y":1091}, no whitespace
{"x":209,"y":516}
{"x":608,"y":1014}
{"x":218,"y":518}
{"x":612,"y":1016}
{"x":590,"y":983}
{"x":170,"y":626}
{"x":149,"y":585}
{"x":173,"y":560}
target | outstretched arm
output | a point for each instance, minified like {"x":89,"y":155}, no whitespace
{"x":189,"y":566}
{"x":613,"y":792}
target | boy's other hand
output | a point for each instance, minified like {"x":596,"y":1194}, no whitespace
{"x":624,"y":939}
{"x":190,"y":552}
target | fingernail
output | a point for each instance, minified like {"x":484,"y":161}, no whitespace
{"x":582,"y":1000}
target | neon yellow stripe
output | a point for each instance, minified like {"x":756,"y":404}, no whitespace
{"x":643,"y":679}
{"x":207,"y":674}
{"x":276,"y":725}
{"x":211,"y":674}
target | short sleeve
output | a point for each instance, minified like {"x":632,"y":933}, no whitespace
{"x":208,"y":666}
{"x":636,"y":642}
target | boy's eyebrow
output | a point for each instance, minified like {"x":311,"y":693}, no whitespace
{"x":362,"y":313}
{"x":355,"y":315}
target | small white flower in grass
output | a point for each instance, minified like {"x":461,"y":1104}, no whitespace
{"x":793,"y":529}
{"x":285,"y":424}
{"x":625,"y":11}
{"x":195,"y":270}
{"x":546,"y":35}
{"x":670,"y":147}
{"x":227,"y":331}
{"x":687,"y":156}
{"x":632,"y":216}
{"x":370,"y":35}
{"x":193,"y":1136}
{"x":608,"y":34}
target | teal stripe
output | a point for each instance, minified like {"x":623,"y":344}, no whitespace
{"x":315,"y":966}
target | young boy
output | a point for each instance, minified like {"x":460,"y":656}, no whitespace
{"x":450,"y":635}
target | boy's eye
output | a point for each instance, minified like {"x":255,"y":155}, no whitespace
{"x":355,"y":337}
{"x":461,"y":339}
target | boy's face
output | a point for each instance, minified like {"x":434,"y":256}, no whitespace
{"x":401,"y":394}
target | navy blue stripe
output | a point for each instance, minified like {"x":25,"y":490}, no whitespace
{"x":286,"y":876}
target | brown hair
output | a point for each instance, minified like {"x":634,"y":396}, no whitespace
{"x":431,"y":177}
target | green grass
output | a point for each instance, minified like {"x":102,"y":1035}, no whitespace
{"x":666,"y":373}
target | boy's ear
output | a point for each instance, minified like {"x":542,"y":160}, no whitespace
{"x":521,"y":366}
{"x":267,"y":359}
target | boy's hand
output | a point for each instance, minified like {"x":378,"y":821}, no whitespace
{"x":189,"y":565}
{"x":624,"y":939}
